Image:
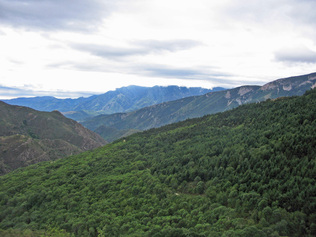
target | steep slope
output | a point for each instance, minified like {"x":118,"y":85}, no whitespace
{"x":28,"y":136}
{"x":121,"y":100}
{"x":197,"y":106}
{"x":245,"y":172}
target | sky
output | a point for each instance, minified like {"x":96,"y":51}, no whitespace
{"x":73,"y":48}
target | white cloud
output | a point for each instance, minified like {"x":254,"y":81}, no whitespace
{"x":100,"y":45}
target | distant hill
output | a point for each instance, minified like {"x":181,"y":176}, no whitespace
{"x":121,"y":100}
{"x":28,"y":136}
{"x":197,"y":106}
{"x":247,"y":172}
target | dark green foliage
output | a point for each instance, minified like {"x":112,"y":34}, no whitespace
{"x":246,"y":172}
{"x":111,"y":134}
{"x":52,"y":232}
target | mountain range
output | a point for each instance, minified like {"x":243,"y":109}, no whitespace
{"x":121,"y":100}
{"x":28,"y":136}
{"x":117,"y":125}
{"x":249,"y":171}
{"x":132,"y":109}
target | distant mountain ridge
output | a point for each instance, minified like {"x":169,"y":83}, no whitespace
{"x":28,"y":136}
{"x":121,"y":100}
{"x":197,"y":106}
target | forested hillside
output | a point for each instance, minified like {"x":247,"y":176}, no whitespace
{"x":245,"y":172}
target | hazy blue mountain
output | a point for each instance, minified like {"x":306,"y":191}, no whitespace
{"x":121,"y":100}
{"x":134,"y":97}
{"x":197,"y":106}
{"x":47,"y":103}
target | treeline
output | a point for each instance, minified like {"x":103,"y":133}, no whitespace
{"x":245,"y":172}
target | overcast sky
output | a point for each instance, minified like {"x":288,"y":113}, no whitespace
{"x":71,"y":48}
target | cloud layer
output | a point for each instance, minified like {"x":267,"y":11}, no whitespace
{"x":54,"y":14}
{"x":12,"y":92}
{"x":296,"y":55}
{"x":136,"y":48}
{"x":99,"y":45}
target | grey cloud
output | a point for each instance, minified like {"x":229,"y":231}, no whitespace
{"x":54,"y":14}
{"x":210,"y":74}
{"x":296,"y":55}
{"x":14,"y":92}
{"x":304,"y":10}
{"x":106,"y":51}
{"x":148,"y":70}
{"x":136,"y":48}
{"x":143,"y":69}
{"x":296,"y":12}
{"x":197,"y":73}
{"x":251,"y":10}
{"x":152,"y":71}
{"x":172,"y":72}
{"x":168,"y":45}
{"x":9,"y":91}
{"x":92,"y":67}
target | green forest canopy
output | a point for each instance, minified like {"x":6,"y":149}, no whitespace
{"x":245,"y":172}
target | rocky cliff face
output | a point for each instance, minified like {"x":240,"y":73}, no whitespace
{"x":294,"y":84}
{"x":28,"y":136}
